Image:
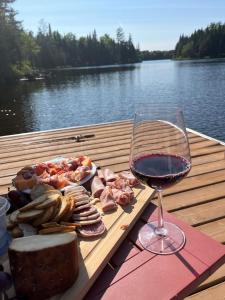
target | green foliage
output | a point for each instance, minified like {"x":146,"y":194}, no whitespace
{"x":16,"y":46}
{"x":207,"y":43}
{"x":23,"y":52}
{"x":157,"y":54}
{"x":58,"y":50}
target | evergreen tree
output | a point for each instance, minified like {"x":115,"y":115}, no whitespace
{"x":207,"y":43}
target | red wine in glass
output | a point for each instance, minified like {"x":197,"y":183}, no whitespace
{"x":160,"y":158}
{"x":152,"y":169}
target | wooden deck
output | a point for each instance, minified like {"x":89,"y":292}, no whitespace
{"x":198,"y":200}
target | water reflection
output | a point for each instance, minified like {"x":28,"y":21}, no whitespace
{"x":89,"y":96}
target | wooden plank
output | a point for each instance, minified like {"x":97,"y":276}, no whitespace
{"x":54,"y":150}
{"x":207,"y":167}
{"x":215,"y":230}
{"x":208,"y":150}
{"x":190,"y":183}
{"x":32,"y":136}
{"x":93,"y":143}
{"x":208,"y":158}
{"x":203,"y":213}
{"x":194,"y":197}
{"x":216,"y":292}
{"x":217,"y":277}
{"x":105,"y":140}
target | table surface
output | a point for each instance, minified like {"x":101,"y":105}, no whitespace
{"x":198,"y":200}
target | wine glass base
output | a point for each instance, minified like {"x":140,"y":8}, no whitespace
{"x":171,"y":242}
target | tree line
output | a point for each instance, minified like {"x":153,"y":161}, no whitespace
{"x":156,"y":54}
{"x":23,"y":52}
{"x":203,"y":43}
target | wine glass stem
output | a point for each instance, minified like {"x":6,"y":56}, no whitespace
{"x":160,"y":230}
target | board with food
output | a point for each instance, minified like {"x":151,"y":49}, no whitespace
{"x":100,"y":219}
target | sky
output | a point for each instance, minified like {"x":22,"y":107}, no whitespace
{"x":153,"y":24}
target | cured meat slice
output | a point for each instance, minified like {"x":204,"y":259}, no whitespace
{"x":97,"y":187}
{"x":123,"y":197}
{"x":83,"y":197}
{"x":107,"y":199}
{"x":75,"y":190}
{"x":87,"y":222}
{"x":101,"y":175}
{"x":81,"y":202}
{"x":82,"y":207}
{"x":129,"y":177}
{"x":85,"y":218}
{"x":80,"y":173}
{"x":109,"y":175}
{"x":119,"y":184}
{"x":86,"y":212}
{"x":92,"y":230}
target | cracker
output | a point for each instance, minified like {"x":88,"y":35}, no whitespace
{"x":50,"y":224}
{"x":33,"y":203}
{"x":51,"y":200}
{"x":9,"y":223}
{"x":69,"y":224}
{"x":40,"y":189}
{"x":64,"y":207}
{"x":45,"y":217}
{"x":29,"y":215}
{"x":49,"y":230}
{"x":69,"y":213}
{"x":13,"y":217}
{"x":60,"y":228}
{"x":56,"y":209}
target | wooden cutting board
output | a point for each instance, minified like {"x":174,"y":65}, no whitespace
{"x":95,"y":253}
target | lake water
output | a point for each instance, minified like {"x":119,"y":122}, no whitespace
{"x":73,"y":98}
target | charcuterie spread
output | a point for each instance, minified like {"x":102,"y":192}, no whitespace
{"x":55,"y":208}
{"x":59,"y":173}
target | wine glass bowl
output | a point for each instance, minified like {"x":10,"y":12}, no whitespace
{"x":160,"y":158}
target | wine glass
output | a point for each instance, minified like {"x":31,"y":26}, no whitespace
{"x":160,"y":157}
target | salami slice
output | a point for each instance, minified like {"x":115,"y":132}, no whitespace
{"x":75,"y":190}
{"x":92,"y":230}
{"x":87,"y":222}
{"x":82,"y":207}
{"x":86,"y":218}
{"x":81,"y":202}
{"x":86,"y":212}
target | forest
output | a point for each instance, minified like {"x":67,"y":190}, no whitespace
{"x":156,"y":54}
{"x":23,"y":52}
{"x":203,"y":43}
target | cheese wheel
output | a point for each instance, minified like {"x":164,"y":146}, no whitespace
{"x":44,"y":265}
